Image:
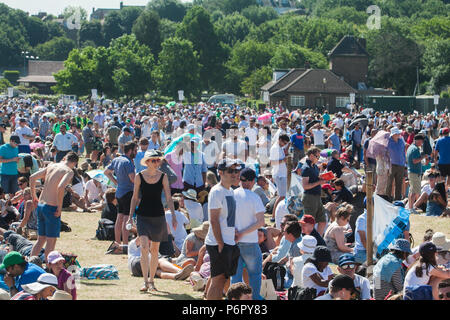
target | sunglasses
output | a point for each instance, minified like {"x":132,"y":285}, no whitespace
{"x":441,"y":296}
{"x":231,"y":171}
{"x":348,"y":266}
{"x":155,"y":160}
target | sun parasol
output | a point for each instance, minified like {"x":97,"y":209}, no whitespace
{"x":49,"y":115}
{"x":171,"y":104}
{"x":100,"y":176}
{"x":40,"y":108}
{"x":362,"y":120}
{"x":378,"y":144}
{"x":326,"y":153}
{"x":174,"y":143}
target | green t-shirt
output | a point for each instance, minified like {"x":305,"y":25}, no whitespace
{"x":413,"y":153}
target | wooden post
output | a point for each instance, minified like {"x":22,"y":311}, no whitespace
{"x":289,"y":171}
{"x":369,"y":220}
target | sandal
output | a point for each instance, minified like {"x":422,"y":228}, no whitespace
{"x":151,"y":286}
{"x":144,"y":288}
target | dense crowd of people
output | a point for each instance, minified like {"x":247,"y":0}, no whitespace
{"x":185,"y":190}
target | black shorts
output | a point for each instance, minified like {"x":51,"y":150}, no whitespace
{"x":444,"y":169}
{"x":125,"y":203}
{"x":225,"y":262}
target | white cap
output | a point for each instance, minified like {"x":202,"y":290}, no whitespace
{"x":395,"y":130}
{"x":308,"y":244}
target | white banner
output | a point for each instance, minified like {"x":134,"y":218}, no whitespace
{"x":181,"y":95}
{"x":94,"y":94}
{"x":352,"y":98}
{"x":10,"y":92}
{"x":436,"y":99}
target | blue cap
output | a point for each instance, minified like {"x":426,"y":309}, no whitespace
{"x":346,"y":258}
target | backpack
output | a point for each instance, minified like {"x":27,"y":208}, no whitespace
{"x":299,"y":293}
{"x":105,"y":230}
{"x":276,"y":273}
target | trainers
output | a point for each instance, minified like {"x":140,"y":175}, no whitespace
{"x":272,"y":219}
{"x":184,"y":273}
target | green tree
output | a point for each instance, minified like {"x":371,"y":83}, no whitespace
{"x":245,"y":58}
{"x":112,"y":27}
{"x":178,"y":68}
{"x":252,"y":84}
{"x":147,"y":30}
{"x":128,"y":16}
{"x":11,"y":75}
{"x":57,"y":49}
{"x":258,"y":15}
{"x":291,"y":55}
{"x":92,"y":31}
{"x":4,"y":84}
{"x":233,"y":28}
{"x":346,"y":14}
{"x":436,"y":60}
{"x":230,"y":6}
{"x":132,"y":64}
{"x":173,"y":10}
{"x":37,"y":31}
{"x":167,"y":29}
{"x":197,"y":28}
{"x":393,"y":57}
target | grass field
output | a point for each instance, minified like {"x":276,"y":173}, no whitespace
{"x":91,"y":251}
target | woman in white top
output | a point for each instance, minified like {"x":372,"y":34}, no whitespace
{"x":306,"y":246}
{"x":426,"y":271}
{"x":316,"y":273}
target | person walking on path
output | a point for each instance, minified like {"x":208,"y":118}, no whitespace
{"x":151,"y":220}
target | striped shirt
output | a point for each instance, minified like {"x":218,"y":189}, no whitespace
{"x":22,"y":295}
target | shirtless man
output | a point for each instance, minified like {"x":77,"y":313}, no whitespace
{"x":57,"y":176}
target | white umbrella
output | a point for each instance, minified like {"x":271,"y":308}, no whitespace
{"x":49,"y":115}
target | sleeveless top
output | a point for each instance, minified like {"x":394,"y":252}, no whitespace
{"x":151,"y":205}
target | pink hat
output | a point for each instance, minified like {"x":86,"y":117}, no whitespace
{"x":54,"y":257}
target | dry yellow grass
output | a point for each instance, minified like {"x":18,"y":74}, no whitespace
{"x":91,"y":251}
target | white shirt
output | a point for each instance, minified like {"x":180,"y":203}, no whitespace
{"x":133,"y":252}
{"x":411,"y":279}
{"x":298,"y":263}
{"x":64,"y":142}
{"x":211,"y":152}
{"x":308,"y":270}
{"x":252,"y":134}
{"x":360,"y":226}
{"x":248,"y":204}
{"x":94,"y":192}
{"x":318,"y":137}
{"x":21,"y":131}
{"x":277,"y":154}
{"x":280,"y":212}
{"x":234,"y":149}
{"x":194,"y":209}
{"x":426,"y":188}
{"x":363,"y":285}
{"x":146,"y":130}
{"x":223,"y":199}
{"x":180,"y":233}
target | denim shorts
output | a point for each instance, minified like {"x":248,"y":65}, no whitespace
{"x":9,"y":183}
{"x":48,"y":224}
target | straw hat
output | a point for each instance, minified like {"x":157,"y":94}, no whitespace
{"x":202,"y":230}
{"x":151,"y":154}
{"x":440,"y":240}
{"x":60,"y":295}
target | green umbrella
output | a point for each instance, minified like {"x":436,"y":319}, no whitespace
{"x":171,"y":104}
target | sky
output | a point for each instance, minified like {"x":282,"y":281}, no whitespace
{"x":56,"y":7}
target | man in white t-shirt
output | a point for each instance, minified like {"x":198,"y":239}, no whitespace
{"x":94,"y":191}
{"x":25,"y":134}
{"x":251,"y":133}
{"x":194,"y":208}
{"x":234,"y":147}
{"x":348,"y":266}
{"x":179,"y":234}
{"x":319,"y":136}
{"x":220,"y":243}
{"x":249,"y":217}
{"x":279,"y":168}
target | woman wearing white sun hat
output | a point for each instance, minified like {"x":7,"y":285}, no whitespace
{"x":306,"y":246}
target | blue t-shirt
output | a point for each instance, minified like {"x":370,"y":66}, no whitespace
{"x":356,"y":136}
{"x":396,"y":151}
{"x":413,"y":153}
{"x":122,"y":167}
{"x":335,"y":141}
{"x":8,"y":152}
{"x":298,"y":140}
{"x":443,"y":147}
{"x":311,"y":171}
{"x":30,"y":275}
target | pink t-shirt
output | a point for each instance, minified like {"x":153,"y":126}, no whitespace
{"x":64,"y":275}
{"x":176,"y":163}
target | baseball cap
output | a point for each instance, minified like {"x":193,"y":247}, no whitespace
{"x":428,"y":247}
{"x":248,"y":174}
{"x":445,"y":131}
{"x":343,"y":281}
{"x":308,"y":219}
{"x":346,"y":258}
{"x":11,"y":259}
{"x":15,"y":139}
{"x":54,"y":257}
{"x":227,"y":163}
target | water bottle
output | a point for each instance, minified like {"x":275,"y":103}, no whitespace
{"x":128,"y":226}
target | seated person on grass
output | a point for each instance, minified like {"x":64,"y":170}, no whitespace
{"x":239,"y":291}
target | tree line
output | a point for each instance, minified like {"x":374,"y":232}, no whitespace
{"x":231,"y":45}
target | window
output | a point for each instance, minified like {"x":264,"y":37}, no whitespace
{"x":341,"y":102}
{"x":297,"y":101}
